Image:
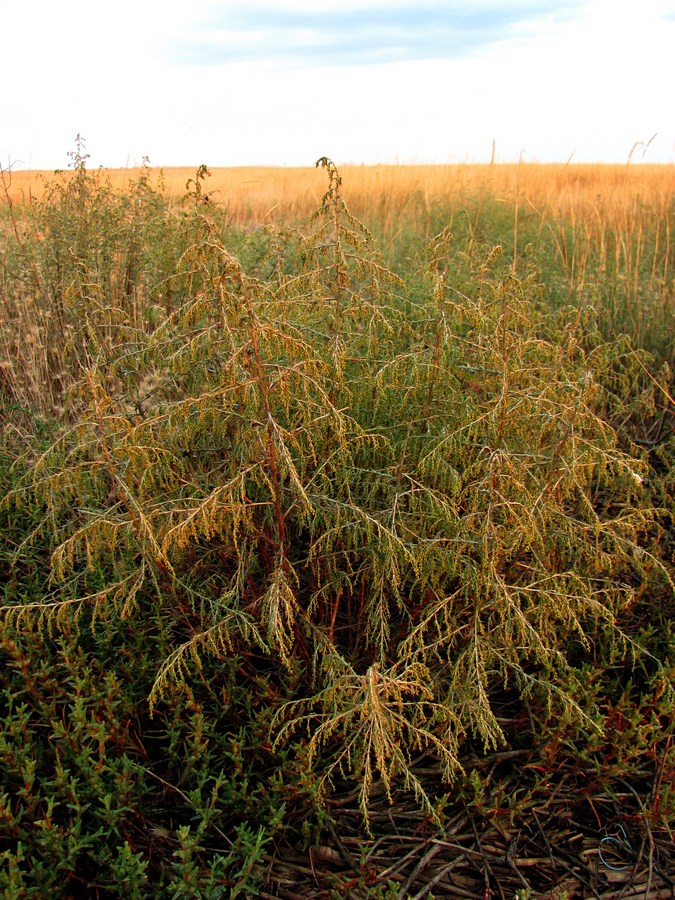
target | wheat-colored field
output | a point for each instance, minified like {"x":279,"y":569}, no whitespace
{"x":276,"y":193}
{"x":602,"y":233}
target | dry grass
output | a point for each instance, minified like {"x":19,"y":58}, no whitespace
{"x":602,"y":233}
{"x":275,"y":193}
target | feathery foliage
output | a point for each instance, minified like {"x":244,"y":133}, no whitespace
{"x":398,"y":502}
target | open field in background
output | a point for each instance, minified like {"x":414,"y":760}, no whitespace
{"x":267,"y":194}
{"x":602,"y":233}
{"x":338,"y":550}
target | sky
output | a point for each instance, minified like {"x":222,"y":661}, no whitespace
{"x":284,"y":82}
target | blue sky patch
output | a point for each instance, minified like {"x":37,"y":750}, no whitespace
{"x":367,"y":35}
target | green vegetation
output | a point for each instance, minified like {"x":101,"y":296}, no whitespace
{"x":285,"y":516}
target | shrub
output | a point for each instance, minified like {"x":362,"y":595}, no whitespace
{"x":398,"y":504}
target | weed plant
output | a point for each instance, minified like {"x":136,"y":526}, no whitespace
{"x":77,"y":277}
{"x":344,"y":512}
{"x":99,"y":799}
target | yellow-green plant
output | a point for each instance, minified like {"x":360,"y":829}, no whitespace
{"x":85,"y":274}
{"x":400,"y":504}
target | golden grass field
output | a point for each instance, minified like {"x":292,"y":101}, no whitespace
{"x":609,"y":226}
{"x":263,"y":194}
